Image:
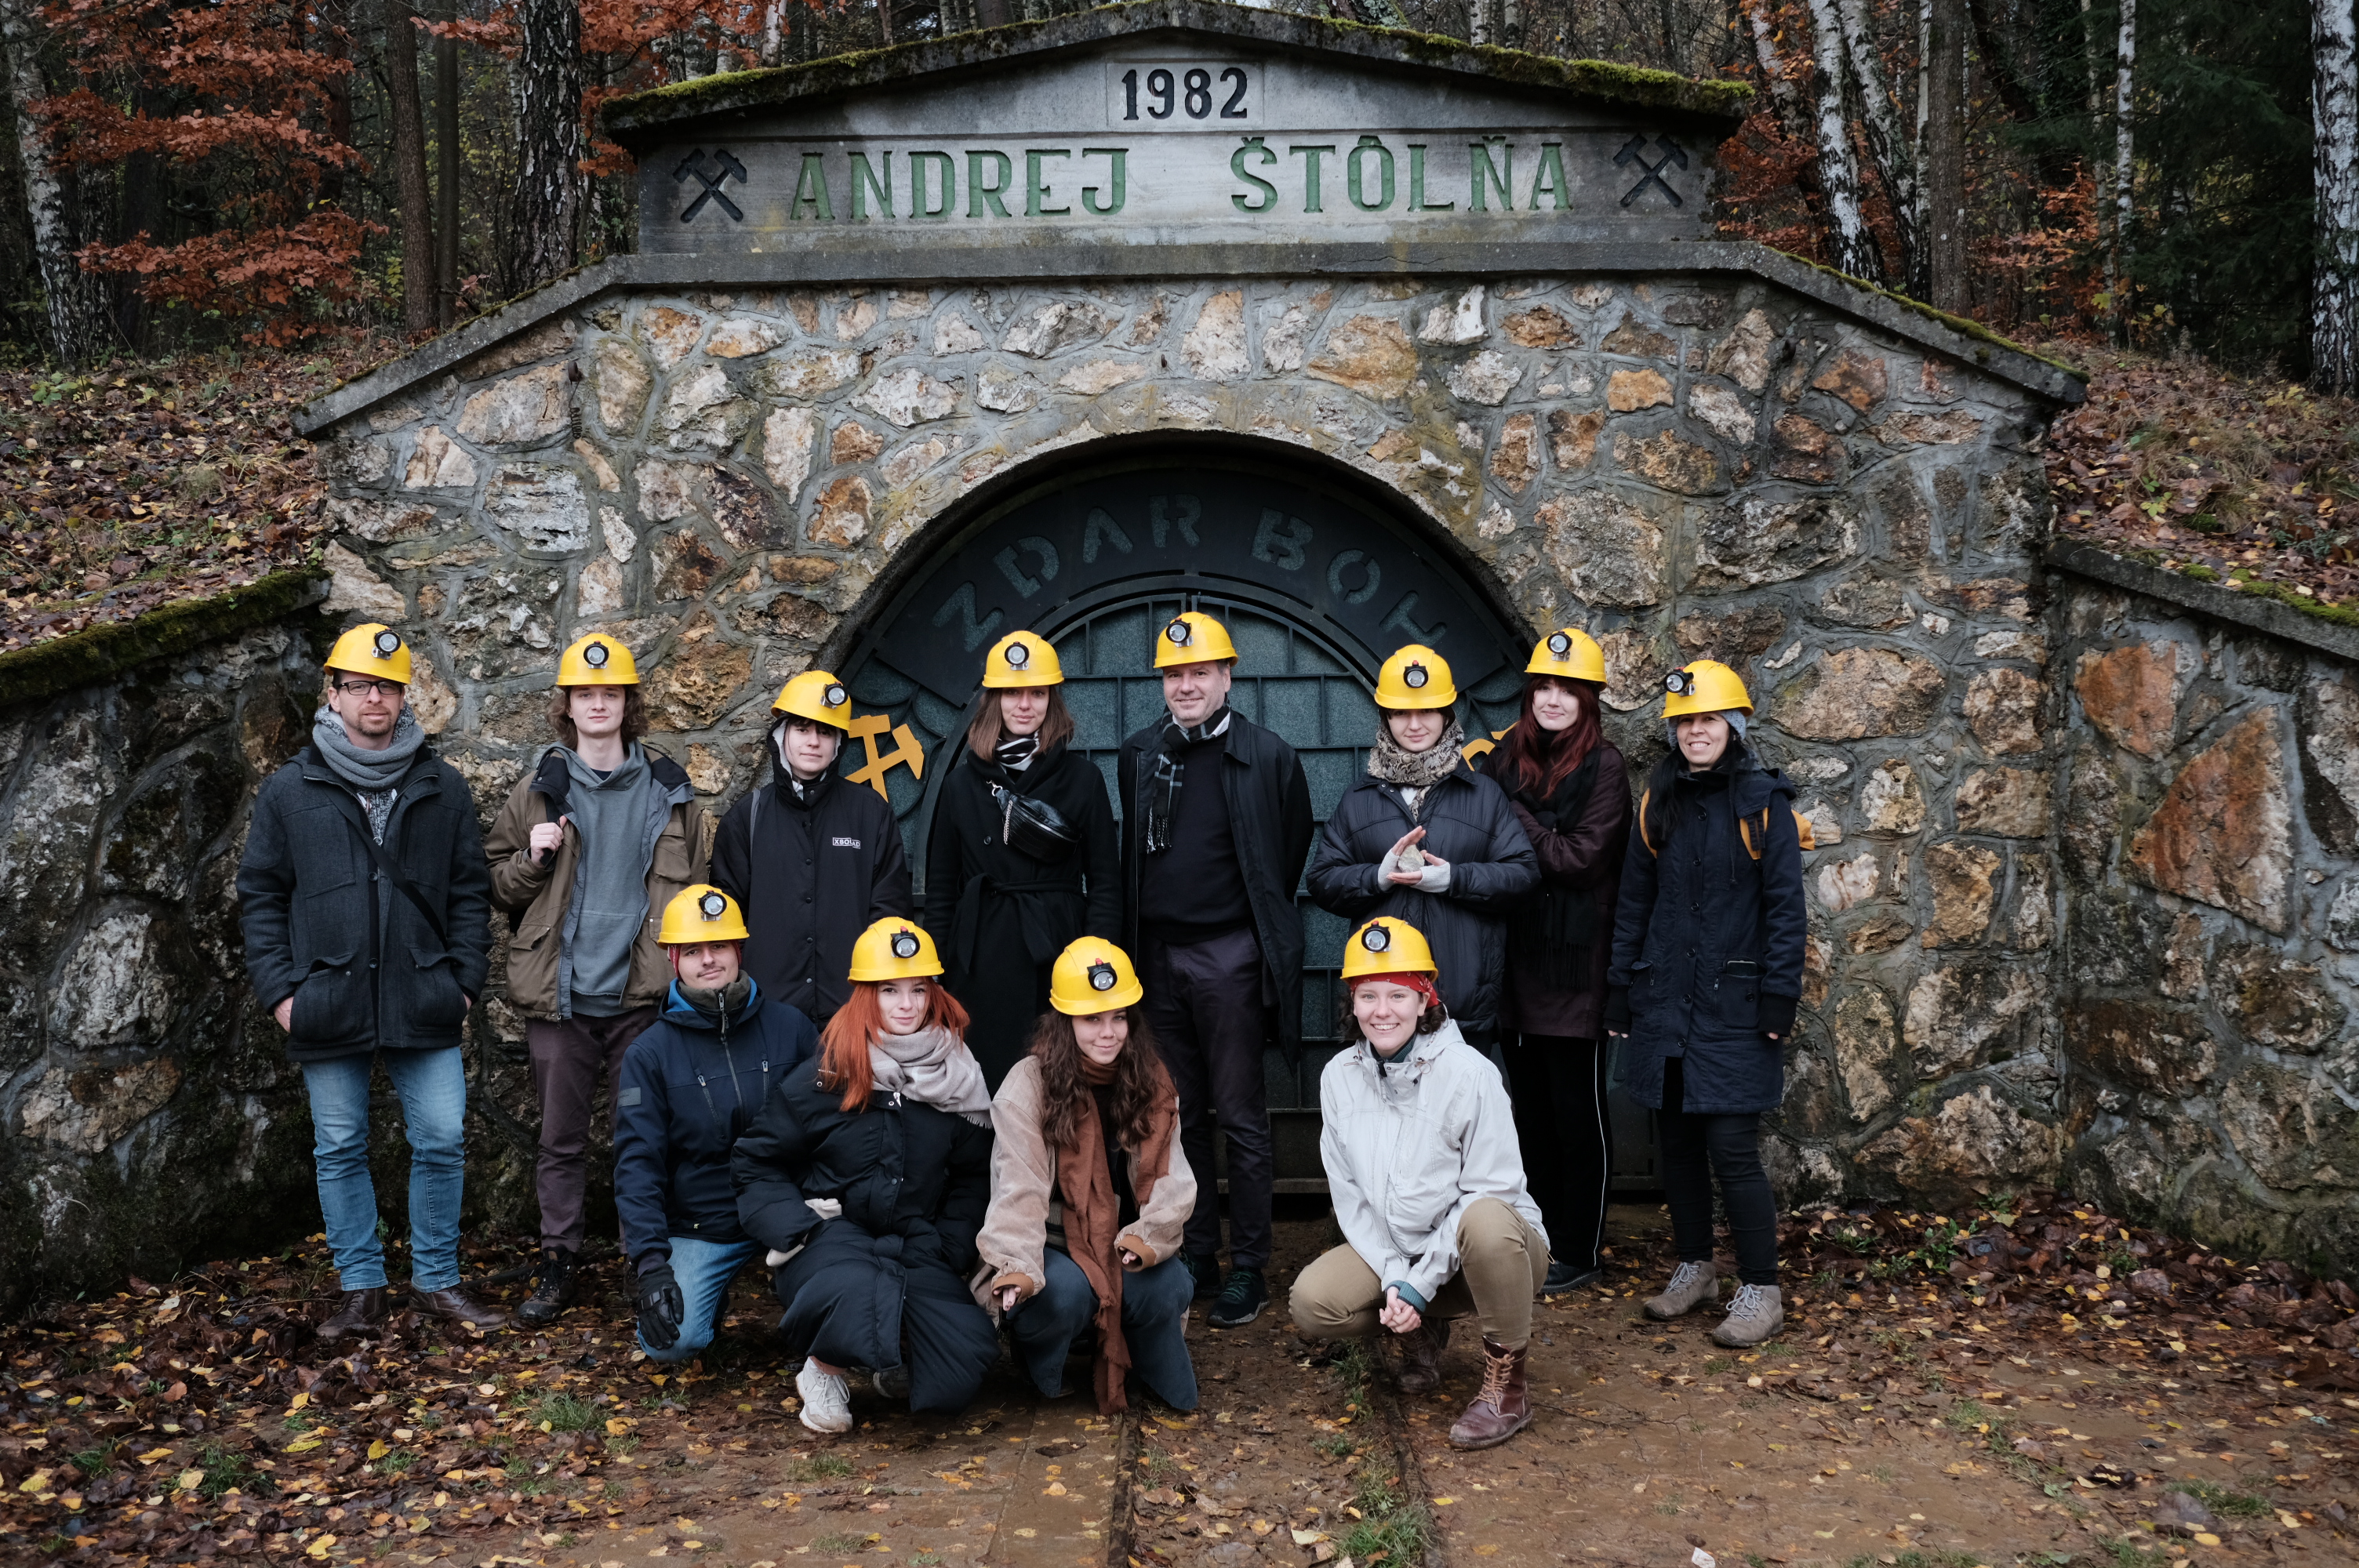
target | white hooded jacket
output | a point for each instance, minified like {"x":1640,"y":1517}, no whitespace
{"x":1409,"y":1145}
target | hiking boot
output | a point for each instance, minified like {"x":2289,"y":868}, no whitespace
{"x":1420,"y":1356}
{"x":1755,"y":1314}
{"x":1205,"y":1269}
{"x":1240,"y":1301}
{"x":1503,"y":1407}
{"x":892,"y":1382}
{"x":1691,"y":1287}
{"x":826,"y":1403}
{"x":458,"y":1306}
{"x":360,"y":1315}
{"x":1564,"y":1277}
{"x":553,"y":1288}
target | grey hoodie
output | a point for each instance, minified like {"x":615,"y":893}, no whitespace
{"x":1409,"y":1147}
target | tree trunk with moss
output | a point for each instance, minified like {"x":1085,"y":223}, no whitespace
{"x":76,"y":302}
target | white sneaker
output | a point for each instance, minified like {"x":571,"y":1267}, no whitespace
{"x":1757,"y":1313}
{"x":1693,"y":1284}
{"x":826,"y":1403}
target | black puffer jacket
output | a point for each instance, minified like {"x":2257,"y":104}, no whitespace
{"x":1469,"y":823}
{"x":812,"y":872}
{"x":1708,"y":942}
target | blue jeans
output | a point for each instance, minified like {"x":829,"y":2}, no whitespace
{"x":433,"y":1089}
{"x":703,"y":1270}
{"x":1154,"y":1322}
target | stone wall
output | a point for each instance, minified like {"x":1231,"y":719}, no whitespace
{"x":147,"y":1107}
{"x":2209,"y":840}
{"x":1687,"y":465}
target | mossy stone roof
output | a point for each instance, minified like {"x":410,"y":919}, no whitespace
{"x":645,"y":117}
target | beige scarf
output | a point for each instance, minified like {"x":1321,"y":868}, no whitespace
{"x":934,"y":1067}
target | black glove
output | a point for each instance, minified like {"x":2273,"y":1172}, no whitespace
{"x":660,"y":1307}
{"x":1778,"y":1014}
{"x":1617,"y":1009}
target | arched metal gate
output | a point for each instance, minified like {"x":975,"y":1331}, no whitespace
{"x":1316,"y":583}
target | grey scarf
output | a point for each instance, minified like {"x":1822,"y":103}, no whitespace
{"x":372,"y":775}
{"x":1163,"y":784}
{"x":1414,"y":771}
{"x":934,"y":1067}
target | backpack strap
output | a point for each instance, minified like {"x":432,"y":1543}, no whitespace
{"x":1755,"y":828}
{"x":1645,"y":798}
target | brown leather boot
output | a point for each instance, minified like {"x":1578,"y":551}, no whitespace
{"x":360,"y":1315}
{"x":1503,"y":1408}
{"x":459,"y":1308}
{"x":1420,"y":1351}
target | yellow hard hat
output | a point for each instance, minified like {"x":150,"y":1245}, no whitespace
{"x":1192,"y":638}
{"x":1022,"y":658}
{"x":1569,"y":655}
{"x":597,"y":660}
{"x":816,"y":694}
{"x":1707,"y":685}
{"x":894,"y":949}
{"x":1387,"y":946}
{"x":371,"y":649}
{"x":1092,"y":975}
{"x":701,"y":913}
{"x":1416,"y":676}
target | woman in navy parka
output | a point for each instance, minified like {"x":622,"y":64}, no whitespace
{"x":1706,"y":976}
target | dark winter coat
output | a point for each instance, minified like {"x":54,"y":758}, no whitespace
{"x":687,"y":1093}
{"x":1708,"y":941}
{"x":364,"y":967}
{"x":1467,"y":821}
{"x":1271,"y":821}
{"x":915,"y":1183}
{"x":1561,"y":941}
{"x":999,"y":917}
{"x":811,"y":876}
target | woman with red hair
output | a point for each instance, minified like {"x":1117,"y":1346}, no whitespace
{"x":1570,"y":790}
{"x":866,"y":1175}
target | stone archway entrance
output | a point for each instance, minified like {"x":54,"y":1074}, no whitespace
{"x":1316,"y":578}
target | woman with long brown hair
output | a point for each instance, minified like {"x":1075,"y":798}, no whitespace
{"x":866,"y":1176}
{"x":1570,"y":790}
{"x":1090,"y":1192}
{"x":1022,"y":859}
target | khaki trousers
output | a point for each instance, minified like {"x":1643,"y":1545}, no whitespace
{"x":1502,"y":1264}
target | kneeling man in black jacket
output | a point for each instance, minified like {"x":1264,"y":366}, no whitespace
{"x":690,"y":1086}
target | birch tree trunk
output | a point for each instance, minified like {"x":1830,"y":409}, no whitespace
{"x":1854,"y":247}
{"x":1895,"y":160}
{"x":418,"y":311}
{"x":2125,"y":165}
{"x":1943,"y":115}
{"x":446,"y":171}
{"x":2334,"y":119}
{"x":1785,"y":98}
{"x":77,"y":305}
{"x":548,"y":103}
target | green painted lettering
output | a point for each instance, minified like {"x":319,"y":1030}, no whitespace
{"x":1310,"y":174}
{"x":1355,"y":175}
{"x":1036,"y":190}
{"x":810,"y":188}
{"x":864,"y":183}
{"x":948,"y":168}
{"x":1237,"y":166}
{"x":1417,"y":201}
{"x":1482,"y":170}
{"x":1550,"y":178}
{"x":979,"y":189}
{"x":1090,"y":192}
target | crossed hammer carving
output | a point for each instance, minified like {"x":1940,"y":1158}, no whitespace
{"x":693,"y":167}
{"x":1634,"y":151}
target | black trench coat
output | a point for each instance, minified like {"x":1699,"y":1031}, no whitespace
{"x":886,"y":1284}
{"x":999,"y":917}
{"x":1559,"y":943}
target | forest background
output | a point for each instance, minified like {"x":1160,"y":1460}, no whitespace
{"x":209,"y":208}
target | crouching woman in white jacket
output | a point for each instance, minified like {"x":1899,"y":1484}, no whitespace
{"x":1428,"y":1183}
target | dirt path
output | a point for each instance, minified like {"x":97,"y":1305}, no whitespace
{"x":1893,"y":1425}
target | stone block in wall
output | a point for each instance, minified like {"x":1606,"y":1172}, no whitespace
{"x":1866,"y":1051}
{"x":2223,"y":834}
{"x":2292,"y":1133}
{"x":1964,"y":879}
{"x":1755,"y":540}
{"x":2329,"y":729}
{"x":1975,"y":1142}
{"x":2275,"y":1001}
{"x":1851,"y":694}
{"x":1967,"y":1012}
{"x":2145,"y":1047}
{"x":2132,"y":694}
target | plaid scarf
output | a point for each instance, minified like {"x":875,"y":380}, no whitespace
{"x":1163,"y":787}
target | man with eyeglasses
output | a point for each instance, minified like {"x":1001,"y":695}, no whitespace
{"x":366,"y":904}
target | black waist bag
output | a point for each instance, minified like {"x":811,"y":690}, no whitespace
{"x":1032,"y":827}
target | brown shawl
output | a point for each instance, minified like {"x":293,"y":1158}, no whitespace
{"x":1094,"y":1221}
